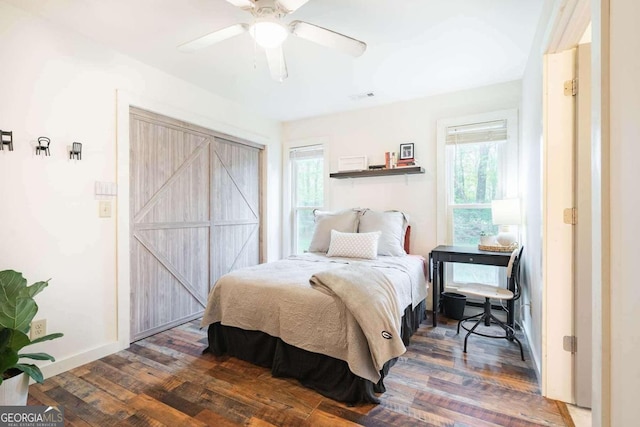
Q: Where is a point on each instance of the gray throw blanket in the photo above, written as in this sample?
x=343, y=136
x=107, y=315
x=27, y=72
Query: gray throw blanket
x=371, y=299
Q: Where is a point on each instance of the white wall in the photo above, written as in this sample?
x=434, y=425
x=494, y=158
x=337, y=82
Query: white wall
x=531, y=188
x=373, y=131
x=625, y=205
x=63, y=85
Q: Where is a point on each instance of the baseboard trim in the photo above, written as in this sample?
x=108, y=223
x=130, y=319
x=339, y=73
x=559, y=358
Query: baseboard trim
x=536, y=362
x=63, y=365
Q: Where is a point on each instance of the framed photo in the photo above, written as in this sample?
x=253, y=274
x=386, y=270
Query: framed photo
x=406, y=151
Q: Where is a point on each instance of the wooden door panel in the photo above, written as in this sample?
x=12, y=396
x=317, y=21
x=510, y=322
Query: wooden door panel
x=156, y=156
x=236, y=178
x=235, y=246
x=185, y=197
x=183, y=252
x=159, y=304
x=195, y=208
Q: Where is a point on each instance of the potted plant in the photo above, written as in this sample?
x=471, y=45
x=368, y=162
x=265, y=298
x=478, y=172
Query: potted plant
x=17, y=310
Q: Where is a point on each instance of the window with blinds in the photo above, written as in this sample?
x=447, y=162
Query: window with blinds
x=307, y=192
x=480, y=163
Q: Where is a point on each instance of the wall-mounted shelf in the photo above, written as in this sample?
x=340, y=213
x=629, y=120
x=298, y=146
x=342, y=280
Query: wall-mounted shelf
x=378, y=172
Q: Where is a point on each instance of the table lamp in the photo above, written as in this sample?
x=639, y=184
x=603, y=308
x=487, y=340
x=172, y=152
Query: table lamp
x=505, y=213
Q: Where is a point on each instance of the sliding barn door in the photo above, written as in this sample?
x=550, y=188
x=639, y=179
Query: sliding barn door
x=236, y=205
x=194, y=216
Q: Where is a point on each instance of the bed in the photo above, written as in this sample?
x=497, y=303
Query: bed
x=337, y=324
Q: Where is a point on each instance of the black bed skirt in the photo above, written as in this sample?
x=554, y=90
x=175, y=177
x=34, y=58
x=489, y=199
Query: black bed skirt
x=328, y=376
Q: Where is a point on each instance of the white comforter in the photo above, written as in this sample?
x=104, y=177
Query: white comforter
x=277, y=298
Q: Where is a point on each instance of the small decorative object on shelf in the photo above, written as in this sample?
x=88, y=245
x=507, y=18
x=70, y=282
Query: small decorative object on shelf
x=376, y=167
x=390, y=160
x=406, y=152
x=43, y=145
x=487, y=240
x=498, y=248
x=352, y=163
x=76, y=151
x=6, y=138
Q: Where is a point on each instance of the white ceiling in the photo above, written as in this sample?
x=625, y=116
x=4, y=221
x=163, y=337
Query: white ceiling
x=415, y=48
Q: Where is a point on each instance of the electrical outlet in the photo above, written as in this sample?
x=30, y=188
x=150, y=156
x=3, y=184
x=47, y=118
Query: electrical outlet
x=38, y=328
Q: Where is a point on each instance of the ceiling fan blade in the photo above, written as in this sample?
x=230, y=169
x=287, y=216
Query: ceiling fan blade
x=291, y=5
x=277, y=65
x=244, y=4
x=212, y=38
x=328, y=38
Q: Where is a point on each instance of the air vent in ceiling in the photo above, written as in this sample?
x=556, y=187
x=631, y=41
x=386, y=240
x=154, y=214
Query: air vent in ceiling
x=360, y=96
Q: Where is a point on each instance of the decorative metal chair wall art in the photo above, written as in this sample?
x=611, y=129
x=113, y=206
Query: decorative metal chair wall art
x=43, y=145
x=6, y=138
x=76, y=151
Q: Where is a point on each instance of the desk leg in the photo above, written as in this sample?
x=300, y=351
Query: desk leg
x=434, y=295
x=438, y=286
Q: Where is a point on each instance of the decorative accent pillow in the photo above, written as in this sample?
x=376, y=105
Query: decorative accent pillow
x=345, y=221
x=392, y=224
x=354, y=245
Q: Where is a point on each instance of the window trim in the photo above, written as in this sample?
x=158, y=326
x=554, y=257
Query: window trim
x=444, y=218
x=289, y=193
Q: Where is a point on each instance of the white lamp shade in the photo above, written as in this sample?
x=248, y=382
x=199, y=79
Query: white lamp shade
x=505, y=211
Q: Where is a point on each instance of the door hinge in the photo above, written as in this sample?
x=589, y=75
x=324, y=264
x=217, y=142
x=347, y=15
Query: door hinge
x=570, y=216
x=571, y=87
x=570, y=344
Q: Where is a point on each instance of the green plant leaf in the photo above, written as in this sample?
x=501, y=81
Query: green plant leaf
x=17, y=340
x=35, y=289
x=5, y=336
x=17, y=308
x=8, y=359
x=37, y=356
x=32, y=370
x=46, y=338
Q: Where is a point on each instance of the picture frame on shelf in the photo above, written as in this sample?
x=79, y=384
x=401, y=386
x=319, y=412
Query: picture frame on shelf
x=406, y=151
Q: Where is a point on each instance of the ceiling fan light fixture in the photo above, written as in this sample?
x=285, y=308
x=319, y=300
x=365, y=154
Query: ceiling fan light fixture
x=268, y=33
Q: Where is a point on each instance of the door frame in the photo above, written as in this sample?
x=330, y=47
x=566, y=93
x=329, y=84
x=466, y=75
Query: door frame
x=582, y=238
x=561, y=22
x=125, y=100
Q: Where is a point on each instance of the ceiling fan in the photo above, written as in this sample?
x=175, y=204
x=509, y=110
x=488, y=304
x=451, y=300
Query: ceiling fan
x=270, y=32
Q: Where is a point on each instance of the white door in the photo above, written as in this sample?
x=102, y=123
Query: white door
x=558, y=244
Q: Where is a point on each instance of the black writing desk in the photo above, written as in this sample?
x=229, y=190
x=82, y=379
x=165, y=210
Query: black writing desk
x=466, y=255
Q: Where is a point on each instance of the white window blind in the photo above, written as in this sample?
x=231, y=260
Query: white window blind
x=495, y=130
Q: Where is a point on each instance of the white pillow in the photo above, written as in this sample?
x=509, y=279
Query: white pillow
x=345, y=221
x=354, y=245
x=392, y=224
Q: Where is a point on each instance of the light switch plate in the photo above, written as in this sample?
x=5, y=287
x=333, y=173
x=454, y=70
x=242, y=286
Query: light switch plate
x=105, y=209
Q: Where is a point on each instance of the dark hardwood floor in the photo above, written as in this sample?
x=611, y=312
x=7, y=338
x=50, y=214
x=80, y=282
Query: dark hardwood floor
x=165, y=380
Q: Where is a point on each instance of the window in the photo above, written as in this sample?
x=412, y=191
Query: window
x=480, y=157
x=307, y=192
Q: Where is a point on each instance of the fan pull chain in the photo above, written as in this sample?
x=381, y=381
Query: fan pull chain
x=255, y=54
